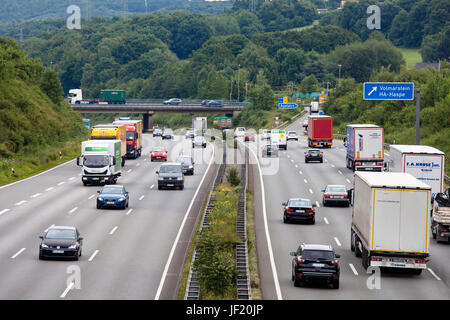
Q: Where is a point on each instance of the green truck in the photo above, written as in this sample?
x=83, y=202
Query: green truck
x=112, y=96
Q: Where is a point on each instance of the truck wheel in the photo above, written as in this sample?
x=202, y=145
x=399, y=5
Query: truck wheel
x=352, y=241
x=336, y=284
x=358, y=252
x=297, y=281
x=433, y=232
x=365, y=258
x=84, y=183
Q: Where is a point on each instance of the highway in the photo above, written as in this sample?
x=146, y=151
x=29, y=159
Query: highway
x=124, y=251
x=294, y=178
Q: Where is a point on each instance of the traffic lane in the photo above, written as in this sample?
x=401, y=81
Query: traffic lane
x=340, y=218
x=131, y=264
x=287, y=237
x=51, y=213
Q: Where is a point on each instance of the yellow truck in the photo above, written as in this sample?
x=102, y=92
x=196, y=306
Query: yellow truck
x=111, y=132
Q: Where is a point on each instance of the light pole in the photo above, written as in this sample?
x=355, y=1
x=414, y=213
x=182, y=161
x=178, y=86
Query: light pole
x=239, y=71
x=339, y=65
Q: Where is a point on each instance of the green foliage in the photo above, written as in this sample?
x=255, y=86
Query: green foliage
x=309, y=84
x=233, y=176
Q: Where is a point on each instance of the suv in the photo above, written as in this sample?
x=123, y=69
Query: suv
x=199, y=141
x=315, y=262
x=167, y=134
x=313, y=155
x=292, y=135
x=170, y=175
x=157, y=132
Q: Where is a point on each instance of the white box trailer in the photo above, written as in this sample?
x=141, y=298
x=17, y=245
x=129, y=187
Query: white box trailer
x=365, y=147
x=390, y=220
x=423, y=162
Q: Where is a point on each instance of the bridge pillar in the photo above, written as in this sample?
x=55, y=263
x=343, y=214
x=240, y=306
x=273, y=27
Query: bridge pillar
x=148, y=122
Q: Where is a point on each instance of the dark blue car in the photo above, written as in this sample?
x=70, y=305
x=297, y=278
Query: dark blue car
x=113, y=196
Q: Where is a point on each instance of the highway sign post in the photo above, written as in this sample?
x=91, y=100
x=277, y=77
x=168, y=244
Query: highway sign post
x=388, y=91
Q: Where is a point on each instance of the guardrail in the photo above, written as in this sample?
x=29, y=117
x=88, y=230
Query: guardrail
x=387, y=146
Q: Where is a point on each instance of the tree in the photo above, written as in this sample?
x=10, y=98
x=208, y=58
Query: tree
x=51, y=86
x=262, y=97
x=309, y=84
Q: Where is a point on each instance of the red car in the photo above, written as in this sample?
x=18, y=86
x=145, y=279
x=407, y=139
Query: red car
x=249, y=136
x=158, y=154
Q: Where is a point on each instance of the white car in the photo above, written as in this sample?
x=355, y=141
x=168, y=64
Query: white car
x=240, y=132
x=265, y=134
x=199, y=141
x=292, y=135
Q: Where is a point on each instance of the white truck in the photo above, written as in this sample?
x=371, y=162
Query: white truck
x=390, y=220
x=423, y=162
x=279, y=138
x=365, y=147
x=314, y=107
x=101, y=161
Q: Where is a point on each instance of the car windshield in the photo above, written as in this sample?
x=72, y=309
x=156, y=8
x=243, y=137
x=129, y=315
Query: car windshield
x=168, y=131
x=292, y=132
x=198, y=138
x=299, y=203
x=317, y=255
x=112, y=190
x=130, y=136
x=61, y=234
x=336, y=189
x=314, y=151
x=170, y=169
x=158, y=150
x=96, y=161
x=185, y=160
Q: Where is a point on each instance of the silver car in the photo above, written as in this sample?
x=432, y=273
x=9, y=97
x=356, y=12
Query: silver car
x=199, y=141
x=335, y=194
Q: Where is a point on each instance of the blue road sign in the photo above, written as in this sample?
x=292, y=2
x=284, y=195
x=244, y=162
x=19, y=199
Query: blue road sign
x=388, y=91
x=280, y=99
x=287, y=105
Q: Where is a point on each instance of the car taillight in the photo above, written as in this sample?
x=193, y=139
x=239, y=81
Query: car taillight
x=444, y=229
x=307, y=154
x=335, y=263
x=345, y=197
x=327, y=197
x=379, y=163
x=290, y=210
x=309, y=210
x=320, y=154
x=357, y=164
x=300, y=260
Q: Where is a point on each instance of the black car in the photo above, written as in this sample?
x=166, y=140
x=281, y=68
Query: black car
x=204, y=102
x=187, y=164
x=270, y=150
x=113, y=196
x=299, y=210
x=214, y=103
x=314, y=262
x=60, y=242
x=170, y=175
x=167, y=134
x=313, y=155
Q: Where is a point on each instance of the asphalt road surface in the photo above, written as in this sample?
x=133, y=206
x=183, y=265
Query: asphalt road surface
x=124, y=251
x=289, y=176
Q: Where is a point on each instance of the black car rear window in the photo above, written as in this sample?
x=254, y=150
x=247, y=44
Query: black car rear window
x=299, y=203
x=317, y=255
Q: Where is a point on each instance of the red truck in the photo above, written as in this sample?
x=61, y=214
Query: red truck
x=134, y=136
x=320, y=131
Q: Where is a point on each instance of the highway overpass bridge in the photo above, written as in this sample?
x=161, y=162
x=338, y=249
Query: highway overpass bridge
x=149, y=108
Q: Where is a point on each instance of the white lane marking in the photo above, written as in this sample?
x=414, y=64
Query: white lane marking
x=348, y=180
x=288, y=156
x=61, y=183
x=93, y=255
x=337, y=241
x=129, y=170
x=326, y=160
x=114, y=230
x=142, y=197
x=145, y=159
x=266, y=228
x=353, y=269
x=300, y=172
x=21, y=202
x=172, y=251
x=3, y=211
x=340, y=172
x=310, y=191
x=317, y=204
x=73, y=210
x=20, y=251
x=326, y=220
x=137, y=165
x=306, y=181
x=129, y=211
x=70, y=179
x=69, y=287
x=36, y=195
x=37, y=175
x=91, y=197
x=332, y=165
x=151, y=187
x=296, y=166
x=434, y=274
x=51, y=188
